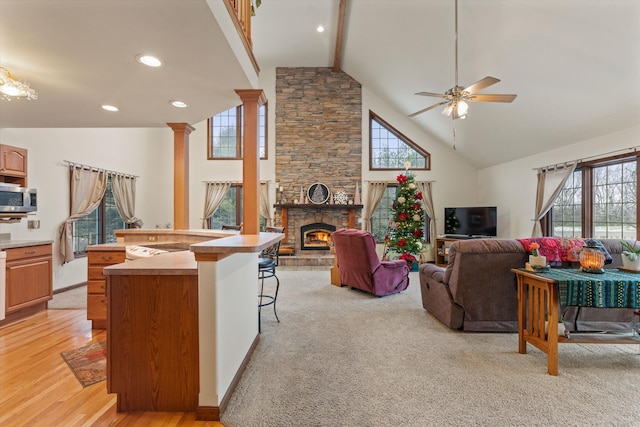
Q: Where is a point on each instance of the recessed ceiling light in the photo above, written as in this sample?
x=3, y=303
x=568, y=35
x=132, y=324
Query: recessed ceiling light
x=149, y=60
x=320, y=29
x=110, y=108
x=179, y=104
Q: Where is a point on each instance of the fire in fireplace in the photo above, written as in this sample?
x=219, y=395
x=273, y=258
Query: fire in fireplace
x=316, y=236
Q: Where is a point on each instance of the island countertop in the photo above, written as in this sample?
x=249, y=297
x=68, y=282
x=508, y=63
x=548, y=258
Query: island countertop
x=166, y=264
x=184, y=262
x=10, y=244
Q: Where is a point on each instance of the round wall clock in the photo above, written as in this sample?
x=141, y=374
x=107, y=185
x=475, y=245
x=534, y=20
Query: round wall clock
x=318, y=193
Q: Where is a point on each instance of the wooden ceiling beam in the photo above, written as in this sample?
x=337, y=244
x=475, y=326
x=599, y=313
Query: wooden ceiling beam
x=339, y=34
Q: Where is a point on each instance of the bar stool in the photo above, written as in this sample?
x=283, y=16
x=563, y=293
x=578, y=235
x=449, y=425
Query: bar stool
x=267, y=264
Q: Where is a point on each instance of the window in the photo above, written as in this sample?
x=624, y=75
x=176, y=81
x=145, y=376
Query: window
x=389, y=149
x=383, y=213
x=225, y=134
x=99, y=225
x=599, y=200
x=230, y=210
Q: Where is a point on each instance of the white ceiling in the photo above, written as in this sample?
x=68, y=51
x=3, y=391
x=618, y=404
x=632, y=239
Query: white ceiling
x=574, y=64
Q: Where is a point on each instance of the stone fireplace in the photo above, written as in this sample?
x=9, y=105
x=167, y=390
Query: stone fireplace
x=316, y=236
x=318, y=118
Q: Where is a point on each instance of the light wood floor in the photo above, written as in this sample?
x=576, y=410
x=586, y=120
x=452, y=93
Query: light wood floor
x=37, y=388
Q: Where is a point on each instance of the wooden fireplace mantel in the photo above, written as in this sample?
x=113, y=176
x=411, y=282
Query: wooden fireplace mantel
x=316, y=207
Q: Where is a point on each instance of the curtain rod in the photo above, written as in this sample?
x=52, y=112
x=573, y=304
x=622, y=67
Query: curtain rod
x=96, y=169
x=578, y=161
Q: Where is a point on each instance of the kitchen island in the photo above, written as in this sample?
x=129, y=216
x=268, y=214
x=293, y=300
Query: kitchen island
x=181, y=325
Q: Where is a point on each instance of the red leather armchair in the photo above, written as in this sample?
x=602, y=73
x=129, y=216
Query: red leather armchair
x=361, y=268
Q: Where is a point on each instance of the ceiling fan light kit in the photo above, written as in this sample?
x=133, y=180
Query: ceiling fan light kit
x=11, y=88
x=458, y=97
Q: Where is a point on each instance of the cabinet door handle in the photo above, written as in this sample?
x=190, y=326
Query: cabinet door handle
x=29, y=252
x=107, y=258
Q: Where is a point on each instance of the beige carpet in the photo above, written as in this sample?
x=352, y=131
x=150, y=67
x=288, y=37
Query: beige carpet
x=342, y=358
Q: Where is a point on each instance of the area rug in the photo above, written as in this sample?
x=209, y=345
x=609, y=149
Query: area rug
x=88, y=363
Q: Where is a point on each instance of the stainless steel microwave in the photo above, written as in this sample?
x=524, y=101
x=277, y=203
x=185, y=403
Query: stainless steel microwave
x=14, y=198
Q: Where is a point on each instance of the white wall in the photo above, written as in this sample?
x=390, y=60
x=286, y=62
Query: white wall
x=147, y=153
x=512, y=186
x=455, y=180
x=202, y=170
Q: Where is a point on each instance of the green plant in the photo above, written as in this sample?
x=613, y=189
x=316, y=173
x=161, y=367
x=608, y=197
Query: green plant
x=630, y=252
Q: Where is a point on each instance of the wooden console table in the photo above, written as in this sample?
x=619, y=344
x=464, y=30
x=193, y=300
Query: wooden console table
x=538, y=297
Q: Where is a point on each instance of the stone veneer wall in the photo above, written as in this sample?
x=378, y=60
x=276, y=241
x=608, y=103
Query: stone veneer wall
x=318, y=139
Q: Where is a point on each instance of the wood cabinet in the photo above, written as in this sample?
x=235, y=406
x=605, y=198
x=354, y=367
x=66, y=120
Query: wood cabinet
x=442, y=250
x=13, y=165
x=153, y=341
x=29, y=277
x=96, y=285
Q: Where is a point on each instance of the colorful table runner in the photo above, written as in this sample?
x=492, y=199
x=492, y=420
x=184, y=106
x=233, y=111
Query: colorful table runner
x=613, y=288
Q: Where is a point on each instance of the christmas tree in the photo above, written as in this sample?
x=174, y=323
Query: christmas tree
x=406, y=231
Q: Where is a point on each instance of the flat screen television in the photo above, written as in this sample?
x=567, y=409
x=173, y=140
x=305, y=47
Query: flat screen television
x=471, y=221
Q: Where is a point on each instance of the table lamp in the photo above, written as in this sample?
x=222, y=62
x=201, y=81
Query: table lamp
x=592, y=259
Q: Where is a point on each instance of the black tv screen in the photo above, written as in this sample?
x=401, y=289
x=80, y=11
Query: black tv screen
x=471, y=221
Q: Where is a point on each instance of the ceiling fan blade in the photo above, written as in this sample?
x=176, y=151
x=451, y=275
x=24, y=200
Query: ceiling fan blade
x=437, y=95
x=428, y=108
x=491, y=98
x=481, y=84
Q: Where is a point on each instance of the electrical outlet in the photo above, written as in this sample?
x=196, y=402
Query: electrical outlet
x=33, y=224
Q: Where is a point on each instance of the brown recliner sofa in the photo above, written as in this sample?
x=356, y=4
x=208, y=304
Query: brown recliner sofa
x=477, y=290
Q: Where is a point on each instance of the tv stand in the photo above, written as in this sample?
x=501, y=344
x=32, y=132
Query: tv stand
x=443, y=243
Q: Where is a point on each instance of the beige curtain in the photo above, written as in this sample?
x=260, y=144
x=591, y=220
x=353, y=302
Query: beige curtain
x=214, y=195
x=550, y=183
x=427, y=204
x=123, y=188
x=87, y=190
x=264, y=203
x=374, y=194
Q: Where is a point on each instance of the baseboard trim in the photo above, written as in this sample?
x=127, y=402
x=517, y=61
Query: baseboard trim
x=213, y=413
x=68, y=288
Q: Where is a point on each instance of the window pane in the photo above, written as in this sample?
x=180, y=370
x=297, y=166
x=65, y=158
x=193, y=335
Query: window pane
x=225, y=137
x=98, y=226
x=229, y=210
x=390, y=151
x=113, y=220
x=614, y=201
x=382, y=214
x=262, y=131
x=223, y=134
x=613, y=213
x=566, y=211
x=86, y=231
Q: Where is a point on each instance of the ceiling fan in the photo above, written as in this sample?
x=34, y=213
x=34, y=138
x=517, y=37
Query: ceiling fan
x=457, y=97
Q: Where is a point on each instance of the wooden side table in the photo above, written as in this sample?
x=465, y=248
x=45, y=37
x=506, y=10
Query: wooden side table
x=335, y=271
x=537, y=297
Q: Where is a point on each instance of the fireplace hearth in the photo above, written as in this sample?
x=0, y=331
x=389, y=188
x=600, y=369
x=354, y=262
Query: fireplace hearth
x=316, y=236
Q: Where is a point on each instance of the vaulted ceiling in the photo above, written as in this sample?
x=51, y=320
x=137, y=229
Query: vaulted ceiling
x=574, y=64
